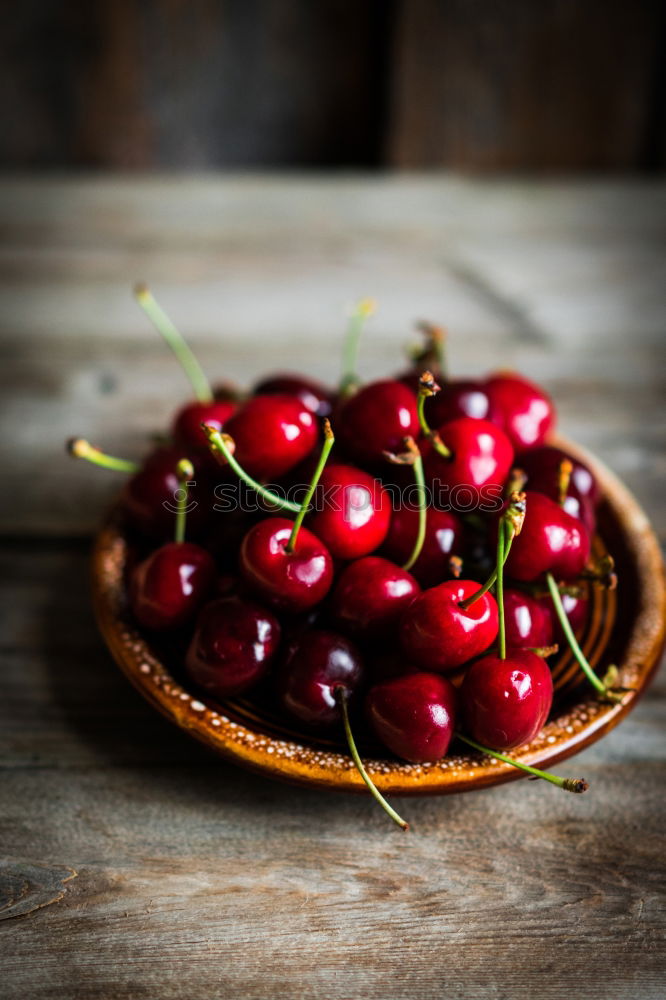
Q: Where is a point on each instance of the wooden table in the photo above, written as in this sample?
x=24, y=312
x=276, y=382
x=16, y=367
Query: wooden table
x=138, y=865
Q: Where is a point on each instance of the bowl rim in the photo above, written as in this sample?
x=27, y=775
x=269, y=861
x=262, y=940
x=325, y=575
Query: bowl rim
x=297, y=762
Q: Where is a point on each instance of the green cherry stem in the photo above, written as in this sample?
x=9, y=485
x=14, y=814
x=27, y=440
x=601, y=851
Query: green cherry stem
x=185, y=474
x=423, y=508
x=490, y=582
x=80, y=448
x=219, y=445
x=363, y=310
x=428, y=387
x=341, y=698
x=176, y=342
x=578, y=653
x=568, y=784
x=329, y=441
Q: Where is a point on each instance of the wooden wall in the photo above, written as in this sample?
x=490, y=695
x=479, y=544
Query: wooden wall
x=472, y=84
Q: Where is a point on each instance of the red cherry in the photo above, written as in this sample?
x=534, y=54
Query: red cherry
x=414, y=715
x=155, y=484
x=233, y=646
x=440, y=635
x=505, y=703
x=352, y=512
x=528, y=620
x=524, y=411
x=186, y=427
x=376, y=419
x=481, y=457
x=575, y=608
x=457, y=398
x=443, y=538
x=551, y=541
x=168, y=588
x=314, y=396
x=542, y=466
x=292, y=581
x=369, y=596
x=272, y=434
x=317, y=664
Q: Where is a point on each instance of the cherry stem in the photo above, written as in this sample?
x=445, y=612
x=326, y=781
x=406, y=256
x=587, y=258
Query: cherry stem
x=329, y=441
x=469, y=601
x=185, y=474
x=563, y=480
x=219, y=447
x=80, y=448
x=423, y=510
x=428, y=387
x=363, y=310
x=568, y=784
x=176, y=342
x=432, y=354
x=571, y=638
x=501, y=546
x=341, y=698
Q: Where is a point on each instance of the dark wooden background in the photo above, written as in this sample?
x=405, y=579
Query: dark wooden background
x=472, y=84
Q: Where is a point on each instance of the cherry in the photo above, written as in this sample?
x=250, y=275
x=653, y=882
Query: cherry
x=576, y=607
x=369, y=596
x=413, y=715
x=543, y=465
x=376, y=419
x=313, y=395
x=186, y=428
x=233, y=646
x=272, y=434
x=170, y=585
x=550, y=541
x=289, y=580
x=524, y=411
x=316, y=664
x=505, y=702
x=153, y=486
x=529, y=620
x=440, y=635
x=443, y=537
x=353, y=512
x=477, y=460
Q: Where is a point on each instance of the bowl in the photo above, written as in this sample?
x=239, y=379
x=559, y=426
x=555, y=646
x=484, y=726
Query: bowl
x=625, y=627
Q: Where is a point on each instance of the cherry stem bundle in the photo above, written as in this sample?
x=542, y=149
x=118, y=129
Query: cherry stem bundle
x=80, y=448
x=329, y=440
x=341, y=698
x=185, y=473
x=176, y=342
x=363, y=310
x=568, y=784
x=219, y=446
x=428, y=387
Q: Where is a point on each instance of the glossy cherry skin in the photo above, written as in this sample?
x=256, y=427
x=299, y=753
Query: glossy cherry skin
x=291, y=581
x=352, y=512
x=457, y=398
x=576, y=609
x=528, y=620
x=376, y=419
x=272, y=434
x=551, y=541
x=233, y=646
x=315, y=396
x=505, y=703
x=316, y=665
x=523, y=410
x=443, y=538
x=186, y=427
x=438, y=634
x=414, y=715
x=481, y=459
x=170, y=585
x=542, y=466
x=370, y=595
x=155, y=484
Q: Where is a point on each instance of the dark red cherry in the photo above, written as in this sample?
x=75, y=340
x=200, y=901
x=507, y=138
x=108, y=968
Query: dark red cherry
x=169, y=587
x=376, y=419
x=233, y=646
x=440, y=635
x=314, y=396
x=316, y=665
x=551, y=541
x=457, y=398
x=443, y=538
x=272, y=434
x=542, y=466
x=352, y=512
x=414, y=716
x=576, y=609
x=473, y=477
x=370, y=595
x=523, y=410
x=528, y=620
x=155, y=484
x=505, y=703
x=186, y=427
x=292, y=581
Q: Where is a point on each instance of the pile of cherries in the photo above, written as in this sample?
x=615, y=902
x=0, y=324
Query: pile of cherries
x=403, y=555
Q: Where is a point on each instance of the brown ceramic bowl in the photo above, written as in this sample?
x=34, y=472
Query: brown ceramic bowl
x=624, y=627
